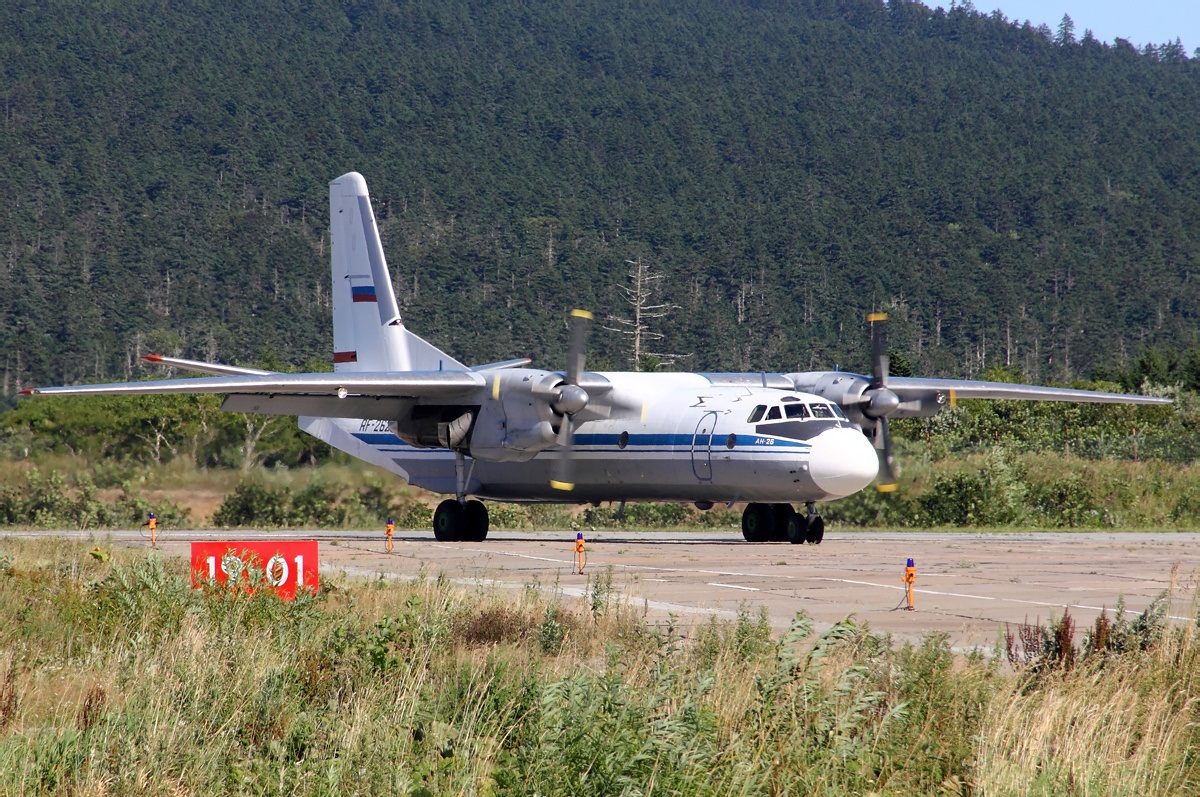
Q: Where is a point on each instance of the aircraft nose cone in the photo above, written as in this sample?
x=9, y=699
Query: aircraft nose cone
x=842, y=462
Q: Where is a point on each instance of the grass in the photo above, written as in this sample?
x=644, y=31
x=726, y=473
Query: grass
x=117, y=678
x=994, y=489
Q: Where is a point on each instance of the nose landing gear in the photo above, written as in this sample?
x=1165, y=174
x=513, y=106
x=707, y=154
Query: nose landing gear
x=781, y=523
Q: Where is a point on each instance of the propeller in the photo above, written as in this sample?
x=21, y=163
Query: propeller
x=880, y=402
x=568, y=399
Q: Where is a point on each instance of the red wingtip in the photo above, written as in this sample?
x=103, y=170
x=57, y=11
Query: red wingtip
x=152, y=358
x=26, y=392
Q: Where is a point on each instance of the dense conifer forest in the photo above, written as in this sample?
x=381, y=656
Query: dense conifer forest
x=1012, y=196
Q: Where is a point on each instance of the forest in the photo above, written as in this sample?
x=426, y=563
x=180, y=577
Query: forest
x=1012, y=196
x=1019, y=200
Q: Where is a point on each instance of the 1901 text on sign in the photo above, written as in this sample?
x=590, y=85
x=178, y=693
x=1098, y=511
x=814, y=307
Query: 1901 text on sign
x=286, y=566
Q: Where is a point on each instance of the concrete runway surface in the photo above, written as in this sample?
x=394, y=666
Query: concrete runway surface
x=968, y=584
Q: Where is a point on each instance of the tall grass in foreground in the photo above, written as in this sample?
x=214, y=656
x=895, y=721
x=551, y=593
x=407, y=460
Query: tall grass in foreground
x=1111, y=725
x=117, y=678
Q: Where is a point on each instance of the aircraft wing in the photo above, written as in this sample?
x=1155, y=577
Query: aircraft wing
x=919, y=397
x=908, y=388
x=407, y=384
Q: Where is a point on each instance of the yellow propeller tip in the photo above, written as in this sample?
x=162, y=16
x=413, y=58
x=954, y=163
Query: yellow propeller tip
x=886, y=488
x=873, y=317
x=577, y=313
x=562, y=485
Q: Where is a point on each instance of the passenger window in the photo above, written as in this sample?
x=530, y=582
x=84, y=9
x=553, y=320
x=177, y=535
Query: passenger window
x=756, y=414
x=796, y=411
x=773, y=414
x=821, y=411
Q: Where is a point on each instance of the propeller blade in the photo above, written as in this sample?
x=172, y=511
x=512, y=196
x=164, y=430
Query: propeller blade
x=570, y=399
x=883, y=445
x=878, y=401
x=879, y=355
x=577, y=354
x=563, y=471
x=566, y=432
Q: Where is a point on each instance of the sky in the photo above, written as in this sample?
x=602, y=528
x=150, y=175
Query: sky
x=1140, y=21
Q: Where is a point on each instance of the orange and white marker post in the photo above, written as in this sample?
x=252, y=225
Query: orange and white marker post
x=153, y=524
x=910, y=578
x=391, y=528
x=580, y=558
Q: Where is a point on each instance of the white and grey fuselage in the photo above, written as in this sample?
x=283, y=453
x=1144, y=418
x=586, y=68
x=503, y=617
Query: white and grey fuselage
x=697, y=440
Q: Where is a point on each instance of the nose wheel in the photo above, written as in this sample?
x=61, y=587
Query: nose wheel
x=781, y=523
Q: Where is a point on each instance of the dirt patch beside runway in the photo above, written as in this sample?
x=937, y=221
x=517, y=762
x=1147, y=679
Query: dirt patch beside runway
x=968, y=584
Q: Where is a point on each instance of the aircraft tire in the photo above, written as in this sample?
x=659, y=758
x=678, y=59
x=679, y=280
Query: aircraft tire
x=816, y=530
x=797, y=529
x=783, y=514
x=475, y=521
x=758, y=522
x=448, y=521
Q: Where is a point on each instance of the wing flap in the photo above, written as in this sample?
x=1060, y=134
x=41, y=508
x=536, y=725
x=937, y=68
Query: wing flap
x=359, y=407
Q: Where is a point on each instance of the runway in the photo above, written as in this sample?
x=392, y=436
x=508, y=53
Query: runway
x=968, y=584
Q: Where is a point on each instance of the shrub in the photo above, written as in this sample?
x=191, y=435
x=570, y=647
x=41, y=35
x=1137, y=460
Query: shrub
x=956, y=500
x=254, y=504
x=995, y=496
x=415, y=515
x=873, y=508
x=493, y=625
x=315, y=505
x=1187, y=507
x=49, y=500
x=656, y=515
x=1067, y=501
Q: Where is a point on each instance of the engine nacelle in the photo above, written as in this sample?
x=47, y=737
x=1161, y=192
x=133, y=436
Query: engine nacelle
x=436, y=427
x=847, y=390
x=843, y=388
x=516, y=420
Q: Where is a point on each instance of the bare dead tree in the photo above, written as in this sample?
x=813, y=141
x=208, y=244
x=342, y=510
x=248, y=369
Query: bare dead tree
x=639, y=295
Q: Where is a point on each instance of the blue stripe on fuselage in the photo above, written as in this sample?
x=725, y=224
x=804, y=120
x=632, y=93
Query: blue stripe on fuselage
x=686, y=440
x=641, y=443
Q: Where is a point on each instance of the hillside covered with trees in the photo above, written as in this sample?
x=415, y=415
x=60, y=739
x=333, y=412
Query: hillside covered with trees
x=1011, y=196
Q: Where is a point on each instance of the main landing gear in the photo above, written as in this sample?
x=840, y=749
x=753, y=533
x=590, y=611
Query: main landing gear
x=465, y=522
x=457, y=519
x=782, y=523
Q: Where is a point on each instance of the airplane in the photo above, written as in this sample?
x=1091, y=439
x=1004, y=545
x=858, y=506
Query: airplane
x=506, y=431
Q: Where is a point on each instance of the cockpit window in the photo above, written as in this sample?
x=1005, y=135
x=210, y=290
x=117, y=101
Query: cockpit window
x=838, y=411
x=774, y=414
x=757, y=413
x=822, y=411
x=796, y=411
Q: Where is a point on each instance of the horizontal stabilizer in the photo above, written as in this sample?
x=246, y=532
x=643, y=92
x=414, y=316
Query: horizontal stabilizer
x=517, y=363
x=199, y=366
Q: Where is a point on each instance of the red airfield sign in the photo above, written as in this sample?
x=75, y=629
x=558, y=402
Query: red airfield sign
x=287, y=566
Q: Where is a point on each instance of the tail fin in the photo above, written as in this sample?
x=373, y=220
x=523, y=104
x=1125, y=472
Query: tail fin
x=368, y=334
